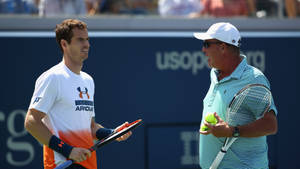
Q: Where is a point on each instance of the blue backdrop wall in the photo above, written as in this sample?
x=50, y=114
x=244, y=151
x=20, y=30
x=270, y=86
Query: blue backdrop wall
x=159, y=79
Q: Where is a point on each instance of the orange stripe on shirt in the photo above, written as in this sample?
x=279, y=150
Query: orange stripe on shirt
x=48, y=155
x=82, y=139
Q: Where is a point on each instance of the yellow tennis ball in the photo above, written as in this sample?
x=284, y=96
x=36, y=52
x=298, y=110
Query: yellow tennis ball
x=211, y=119
x=204, y=128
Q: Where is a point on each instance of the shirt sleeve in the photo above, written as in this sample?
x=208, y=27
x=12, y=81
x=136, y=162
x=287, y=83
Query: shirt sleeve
x=264, y=81
x=45, y=93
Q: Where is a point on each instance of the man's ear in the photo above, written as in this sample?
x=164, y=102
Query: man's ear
x=63, y=43
x=223, y=46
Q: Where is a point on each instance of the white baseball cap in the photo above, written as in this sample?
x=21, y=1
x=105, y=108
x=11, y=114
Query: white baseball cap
x=223, y=31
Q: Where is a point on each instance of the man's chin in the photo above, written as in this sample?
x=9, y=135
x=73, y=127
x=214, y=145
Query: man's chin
x=84, y=57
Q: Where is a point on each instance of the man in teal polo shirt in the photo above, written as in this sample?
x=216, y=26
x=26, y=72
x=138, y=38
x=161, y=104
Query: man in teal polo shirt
x=230, y=73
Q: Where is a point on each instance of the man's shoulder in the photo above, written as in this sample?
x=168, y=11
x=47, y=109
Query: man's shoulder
x=255, y=75
x=51, y=73
x=86, y=75
x=253, y=71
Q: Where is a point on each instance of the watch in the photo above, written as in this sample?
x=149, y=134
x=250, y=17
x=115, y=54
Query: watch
x=236, y=132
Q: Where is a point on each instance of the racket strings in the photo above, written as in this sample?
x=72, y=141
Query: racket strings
x=253, y=99
x=259, y=98
x=235, y=106
x=259, y=93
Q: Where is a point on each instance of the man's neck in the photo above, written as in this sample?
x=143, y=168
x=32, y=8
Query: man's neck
x=229, y=68
x=75, y=68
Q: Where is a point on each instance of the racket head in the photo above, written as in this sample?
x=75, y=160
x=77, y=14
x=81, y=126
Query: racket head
x=255, y=98
x=118, y=133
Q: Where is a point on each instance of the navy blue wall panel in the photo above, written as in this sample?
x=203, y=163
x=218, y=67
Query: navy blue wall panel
x=161, y=80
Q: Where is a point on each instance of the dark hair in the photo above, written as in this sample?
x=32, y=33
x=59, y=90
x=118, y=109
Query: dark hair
x=64, y=30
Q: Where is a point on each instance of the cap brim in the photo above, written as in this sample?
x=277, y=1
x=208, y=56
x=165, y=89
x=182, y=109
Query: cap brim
x=202, y=36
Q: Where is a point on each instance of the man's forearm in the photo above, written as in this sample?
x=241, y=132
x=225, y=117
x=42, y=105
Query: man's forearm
x=35, y=126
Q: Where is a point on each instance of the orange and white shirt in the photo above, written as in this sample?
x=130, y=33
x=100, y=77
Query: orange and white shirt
x=68, y=101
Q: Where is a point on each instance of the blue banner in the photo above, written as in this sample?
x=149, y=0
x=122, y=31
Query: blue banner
x=159, y=79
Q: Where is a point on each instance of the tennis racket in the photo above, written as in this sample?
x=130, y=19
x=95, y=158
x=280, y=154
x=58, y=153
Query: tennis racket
x=253, y=97
x=116, y=134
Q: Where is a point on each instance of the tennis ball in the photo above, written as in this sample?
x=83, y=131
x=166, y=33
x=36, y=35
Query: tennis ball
x=210, y=118
x=204, y=128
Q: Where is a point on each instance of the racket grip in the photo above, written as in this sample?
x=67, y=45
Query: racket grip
x=65, y=164
x=217, y=160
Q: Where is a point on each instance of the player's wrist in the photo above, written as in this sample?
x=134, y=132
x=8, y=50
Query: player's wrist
x=231, y=131
x=235, y=131
x=59, y=146
x=103, y=132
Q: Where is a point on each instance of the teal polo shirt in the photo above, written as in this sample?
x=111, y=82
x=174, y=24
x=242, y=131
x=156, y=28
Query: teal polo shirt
x=245, y=153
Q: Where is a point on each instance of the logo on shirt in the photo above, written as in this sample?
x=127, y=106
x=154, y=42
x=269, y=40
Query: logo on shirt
x=84, y=105
x=81, y=92
x=37, y=99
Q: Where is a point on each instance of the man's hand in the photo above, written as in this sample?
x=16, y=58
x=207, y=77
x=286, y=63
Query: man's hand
x=80, y=154
x=221, y=129
x=125, y=136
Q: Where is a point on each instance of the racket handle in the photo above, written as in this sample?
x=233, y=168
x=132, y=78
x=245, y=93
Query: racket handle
x=65, y=164
x=217, y=160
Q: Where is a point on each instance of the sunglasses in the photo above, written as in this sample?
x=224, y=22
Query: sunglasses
x=206, y=44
